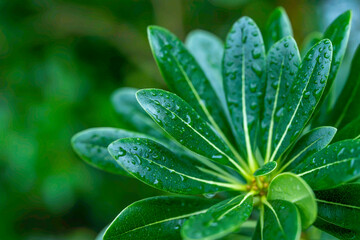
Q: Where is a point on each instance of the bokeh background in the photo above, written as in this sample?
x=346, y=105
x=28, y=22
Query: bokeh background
x=60, y=60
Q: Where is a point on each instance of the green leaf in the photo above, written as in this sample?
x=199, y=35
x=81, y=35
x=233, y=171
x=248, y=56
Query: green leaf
x=265, y=169
x=310, y=40
x=334, y=165
x=340, y=206
x=278, y=27
x=185, y=77
x=208, y=51
x=181, y=122
x=155, y=165
x=280, y=220
x=157, y=216
x=347, y=108
x=91, y=145
x=289, y=187
x=243, y=67
x=350, y=131
x=282, y=63
x=341, y=233
x=220, y=220
x=310, y=143
x=338, y=33
x=131, y=113
x=303, y=97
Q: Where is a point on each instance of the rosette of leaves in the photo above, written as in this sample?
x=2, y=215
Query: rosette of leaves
x=236, y=131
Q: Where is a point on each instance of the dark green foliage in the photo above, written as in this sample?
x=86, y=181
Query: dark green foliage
x=240, y=129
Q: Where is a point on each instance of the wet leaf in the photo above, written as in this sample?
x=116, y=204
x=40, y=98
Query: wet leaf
x=155, y=165
x=289, y=187
x=310, y=143
x=208, y=51
x=185, y=77
x=219, y=220
x=157, y=216
x=280, y=220
x=181, y=122
x=265, y=169
x=282, y=63
x=340, y=206
x=347, y=108
x=336, y=164
x=91, y=145
x=303, y=97
x=338, y=33
x=243, y=68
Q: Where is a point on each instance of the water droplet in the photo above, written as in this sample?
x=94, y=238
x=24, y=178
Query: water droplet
x=253, y=87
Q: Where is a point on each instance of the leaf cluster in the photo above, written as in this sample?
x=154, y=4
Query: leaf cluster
x=244, y=126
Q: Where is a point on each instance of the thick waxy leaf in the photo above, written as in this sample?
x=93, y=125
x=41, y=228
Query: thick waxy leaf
x=341, y=233
x=280, y=220
x=243, y=67
x=347, y=107
x=220, y=220
x=91, y=145
x=340, y=206
x=282, y=63
x=265, y=169
x=303, y=97
x=312, y=39
x=336, y=164
x=158, y=216
x=185, y=77
x=157, y=166
x=290, y=187
x=208, y=51
x=278, y=27
x=131, y=113
x=338, y=33
x=350, y=131
x=310, y=143
x=179, y=120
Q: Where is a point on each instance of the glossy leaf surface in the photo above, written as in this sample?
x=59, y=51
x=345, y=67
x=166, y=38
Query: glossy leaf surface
x=338, y=32
x=303, y=97
x=278, y=27
x=310, y=143
x=336, y=164
x=282, y=63
x=158, y=167
x=158, y=216
x=181, y=121
x=289, y=187
x=243, y=67
x=347, y=107
x=91, y=145
x=208, y=51
x=280, y=221
x=220, y=220
x=340, y=206
x=131, y=113
x=265, y=169
x=185, y=77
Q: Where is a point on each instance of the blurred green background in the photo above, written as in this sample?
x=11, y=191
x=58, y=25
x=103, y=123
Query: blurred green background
x=59, y=62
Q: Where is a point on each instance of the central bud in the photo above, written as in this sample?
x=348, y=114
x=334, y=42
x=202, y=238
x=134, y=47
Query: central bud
x=259, y=185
